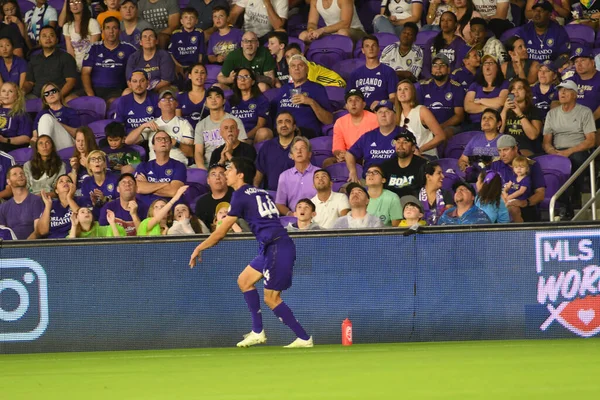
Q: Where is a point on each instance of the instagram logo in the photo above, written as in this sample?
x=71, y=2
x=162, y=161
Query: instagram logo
x=23, y=300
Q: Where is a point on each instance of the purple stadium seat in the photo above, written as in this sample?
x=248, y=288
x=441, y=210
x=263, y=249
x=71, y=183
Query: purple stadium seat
x=456, y=145
x=22, y=155
x=141, y=150
x=197, y=175
x=66, y=154
x=89, y=108
x=196, y=180
x=25, y=6
x=336, y=97
x=385, y=39
x=327, y=130
x=451, y=171
x=508, y=34
x=581, y=32
x=321, y=149
x=299, y=42
x=98, y=127
x=423, y=37
x=112, y=110
x=557, y=170
x=346, y=67
x=339, y=114
x=296, y=24
x=367, y=11
x=287, y=220
x=329, y=50
x=339, y=174
x=212, y=70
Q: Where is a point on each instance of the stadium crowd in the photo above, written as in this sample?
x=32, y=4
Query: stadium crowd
x=119, y=118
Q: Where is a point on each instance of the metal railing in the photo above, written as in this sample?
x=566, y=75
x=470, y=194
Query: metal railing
x=592, y=201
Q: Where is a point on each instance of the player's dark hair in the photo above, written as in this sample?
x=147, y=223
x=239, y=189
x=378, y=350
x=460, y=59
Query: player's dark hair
x=114, y=130
x=190, y=10
x=246, y=167
x=509, y=44
x=108, y=20
x=309, y=202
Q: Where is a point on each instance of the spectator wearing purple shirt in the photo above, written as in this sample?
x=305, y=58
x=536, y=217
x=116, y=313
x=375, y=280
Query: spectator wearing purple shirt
x=15, y=129
x=446, y=42
x=187, y=44
x=482, y=147
x=276, y=249
x=465, y=75
x=489, y=90
x=12, y=68
x=224, y=39
x=191, y=104
x=297, y=182
x=55, y=221
x=443, y=96
x=508, y=151
x=544, y=91
x=375, y=80
x=103, y=72
x=131, y=24
x=140, y=106
x=544, y=38
x=250, y=106
x=275, y=156
x=162, y=176
x=129, y=210
x=305, y=100
x=55, y=119
x=22, y=212
x=376, y=146
x=156, y=62
x=587, y=79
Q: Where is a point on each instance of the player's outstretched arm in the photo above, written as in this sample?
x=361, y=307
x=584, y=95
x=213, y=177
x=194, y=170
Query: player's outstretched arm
x=213, y=239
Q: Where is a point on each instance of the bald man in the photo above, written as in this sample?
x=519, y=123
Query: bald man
x=232, y=147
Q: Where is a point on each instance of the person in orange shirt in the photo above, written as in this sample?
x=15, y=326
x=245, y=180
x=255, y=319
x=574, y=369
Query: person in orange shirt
x=351, y=126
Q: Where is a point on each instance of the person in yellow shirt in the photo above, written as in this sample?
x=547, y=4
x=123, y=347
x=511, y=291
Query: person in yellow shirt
x=316, y=73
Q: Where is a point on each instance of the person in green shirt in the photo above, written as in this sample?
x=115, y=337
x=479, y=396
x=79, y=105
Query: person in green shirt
x=252, y=56
x=84, y=226
x=159, y=216
x=384, y=203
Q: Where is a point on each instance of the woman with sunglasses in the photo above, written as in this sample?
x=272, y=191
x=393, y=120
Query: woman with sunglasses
x=44, y=168
x=80, y=30
x=56, y=119
x=250, y=105
x=85, y=143
x=418, y=119
x=100, y=186
x=55, y=221
x=15, y=131
x=12, y=68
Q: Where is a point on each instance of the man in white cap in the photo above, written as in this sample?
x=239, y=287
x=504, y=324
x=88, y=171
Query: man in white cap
x=569, y=131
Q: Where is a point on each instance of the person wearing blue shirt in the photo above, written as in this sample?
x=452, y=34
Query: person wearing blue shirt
x=465, y=212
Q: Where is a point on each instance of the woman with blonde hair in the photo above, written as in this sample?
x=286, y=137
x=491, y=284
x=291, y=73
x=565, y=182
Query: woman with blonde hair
x=100, y=186
x=418, y=119
x=85, y=142
x=44, y=168
x=15, y=124
x=55, y=119
x=160, y=217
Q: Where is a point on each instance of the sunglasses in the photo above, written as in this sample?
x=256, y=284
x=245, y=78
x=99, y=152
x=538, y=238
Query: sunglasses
x=50, y=92
x=406, y=122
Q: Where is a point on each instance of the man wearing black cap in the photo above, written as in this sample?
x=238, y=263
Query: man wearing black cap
x=358, y=217
x=544, y=38
x=349, y=128
x=403, y=172
x=465, y=212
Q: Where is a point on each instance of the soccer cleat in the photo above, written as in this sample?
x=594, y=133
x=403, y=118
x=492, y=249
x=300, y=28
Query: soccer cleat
x=300, y=343
x=252, y=339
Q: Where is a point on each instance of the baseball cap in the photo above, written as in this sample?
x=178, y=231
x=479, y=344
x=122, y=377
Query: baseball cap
x=568, y=85
x=215, y=89
x=486, y=56
x=387, y=104
x=582, y=51
x=406, y=135
x=442, y=57
x=166, y=92
x=354, y=185
x=406, y=200
x=544, y=4
x=134, y=2
x=505, y=141
x=141, y=71
x=125, y=175
x=551, y=65
x=354, y=92
x=464, y=183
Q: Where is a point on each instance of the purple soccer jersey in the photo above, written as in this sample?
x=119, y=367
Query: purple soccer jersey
x=16, y=125
x=547, y=46
x=374, y=148
x=441, y=100
x=108, y=66
x=223, y=45
x=542, y=101
x=455, y=52
x=18, y=67
x=508, y=175
x=65, y=115
x=173, y=170
x=186, y=46
x=588, y=94
x=463, y=76
x=480, y=146
x=159, y=68
x=133, y=114
x=249, y=110
x=303, y=114
x=108, y=188
x=60, y=220
x=122, y=216
x=481, y=94
x=526, y=182
x=376, y=84
x=272, y=160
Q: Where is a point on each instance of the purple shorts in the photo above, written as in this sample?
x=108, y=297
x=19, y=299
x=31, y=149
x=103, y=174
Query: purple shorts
x=276, y=262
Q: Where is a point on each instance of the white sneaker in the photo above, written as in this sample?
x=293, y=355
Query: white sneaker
x=253, y=338
x=300, y=343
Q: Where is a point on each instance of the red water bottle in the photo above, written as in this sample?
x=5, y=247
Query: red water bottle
x=347, y=332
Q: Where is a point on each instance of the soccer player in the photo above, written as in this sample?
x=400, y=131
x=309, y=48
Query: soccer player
x=275, y=261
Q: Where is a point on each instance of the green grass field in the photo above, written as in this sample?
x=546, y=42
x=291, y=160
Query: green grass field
x=550, y=369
